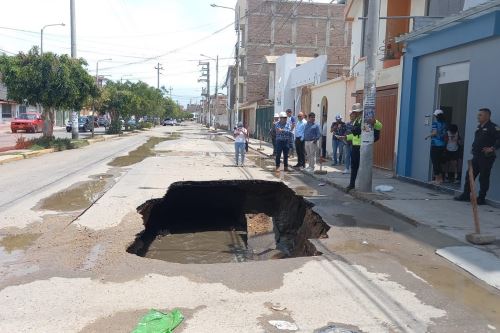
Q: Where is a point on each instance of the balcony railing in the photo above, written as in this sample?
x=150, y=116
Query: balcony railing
x=397, y=26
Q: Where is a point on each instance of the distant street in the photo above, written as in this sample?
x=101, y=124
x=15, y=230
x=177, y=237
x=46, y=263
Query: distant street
x=68, y=221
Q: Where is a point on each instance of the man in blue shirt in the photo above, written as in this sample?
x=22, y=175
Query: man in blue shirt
x=299, y=141
x=283, y=134
x=312, y=134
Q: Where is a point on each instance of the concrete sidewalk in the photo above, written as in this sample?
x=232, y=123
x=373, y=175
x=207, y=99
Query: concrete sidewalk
x=420, y=205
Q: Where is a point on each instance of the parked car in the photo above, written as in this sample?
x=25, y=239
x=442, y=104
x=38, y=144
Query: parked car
x=29, y=122
x=169, y=122
x=83, y=125
x=103, y=121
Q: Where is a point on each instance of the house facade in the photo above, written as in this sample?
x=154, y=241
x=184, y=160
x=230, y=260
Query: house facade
x=452, y=65
x=397, y=17
x=10, y=109
x=271, y=28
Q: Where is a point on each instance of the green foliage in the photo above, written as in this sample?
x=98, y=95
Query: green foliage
x=145, y=125
x=49, y=142
x=53, y=81
x=115, y=127
x=136, y=100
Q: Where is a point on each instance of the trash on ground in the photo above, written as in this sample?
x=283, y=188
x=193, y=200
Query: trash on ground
x=384, y=188
x=283, y=325
x=278, y=307
x=364, y=242
x=158, y=322
x=322, y=184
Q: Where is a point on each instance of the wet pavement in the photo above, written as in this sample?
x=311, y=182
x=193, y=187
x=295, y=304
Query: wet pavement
x=377, y=273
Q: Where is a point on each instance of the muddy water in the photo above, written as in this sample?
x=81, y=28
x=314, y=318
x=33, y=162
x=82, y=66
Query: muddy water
x=206, y=247
x=459, y=287
x=142, y=152
x=77, y=197
x=18, y=242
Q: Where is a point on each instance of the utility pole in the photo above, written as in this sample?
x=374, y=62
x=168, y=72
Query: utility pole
x=75, y=114
x=237, y=55
x=216, y=87
x=205, y=77
x=158, y=68
x=237, y=61
x=170, y=91
x=369, y=97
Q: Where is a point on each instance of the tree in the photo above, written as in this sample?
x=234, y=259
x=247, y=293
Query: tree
x=127, y=100
x=52, y=81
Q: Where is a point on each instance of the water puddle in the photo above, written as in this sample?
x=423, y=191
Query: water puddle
x=22, y=242
x=173, y=136
x=206, y=247
x=101, y=176
x=233, y=221
x=77, y=197
x=142, y=152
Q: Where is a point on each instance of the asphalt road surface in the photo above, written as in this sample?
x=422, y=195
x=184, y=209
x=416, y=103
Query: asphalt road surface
x=67, y=219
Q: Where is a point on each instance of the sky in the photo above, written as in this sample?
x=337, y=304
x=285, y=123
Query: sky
x=135, y=34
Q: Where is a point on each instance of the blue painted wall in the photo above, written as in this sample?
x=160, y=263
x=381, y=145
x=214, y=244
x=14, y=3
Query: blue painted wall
x=476, y=41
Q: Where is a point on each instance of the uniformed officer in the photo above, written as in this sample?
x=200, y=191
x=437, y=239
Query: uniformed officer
x=355, y=138
x=486, y=141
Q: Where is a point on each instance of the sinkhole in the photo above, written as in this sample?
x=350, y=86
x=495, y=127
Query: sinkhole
x=228, y=221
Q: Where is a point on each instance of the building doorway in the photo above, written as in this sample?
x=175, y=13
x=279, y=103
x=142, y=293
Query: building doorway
x=452, y=93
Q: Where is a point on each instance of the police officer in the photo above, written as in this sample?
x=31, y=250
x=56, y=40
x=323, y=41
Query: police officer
x=355, y=138
x=486, y=141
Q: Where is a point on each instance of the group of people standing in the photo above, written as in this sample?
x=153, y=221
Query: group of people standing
x=288, y=132
x=303, y=134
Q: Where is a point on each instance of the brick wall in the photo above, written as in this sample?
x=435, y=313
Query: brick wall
x=304, y=28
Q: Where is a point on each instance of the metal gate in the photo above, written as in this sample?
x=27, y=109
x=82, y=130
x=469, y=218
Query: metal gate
x=386, y=112
x=263, y=122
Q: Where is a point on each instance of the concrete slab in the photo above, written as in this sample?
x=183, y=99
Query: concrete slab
x=450, y=217
x=485, y=266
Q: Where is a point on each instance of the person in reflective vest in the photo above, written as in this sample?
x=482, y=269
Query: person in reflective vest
x=355, y=139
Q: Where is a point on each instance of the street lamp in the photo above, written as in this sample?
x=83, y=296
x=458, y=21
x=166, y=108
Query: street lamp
x=237, y=62
x=97, y=84
x=41, y=34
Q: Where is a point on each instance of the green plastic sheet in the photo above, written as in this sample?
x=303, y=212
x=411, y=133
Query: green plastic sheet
x=158, y=322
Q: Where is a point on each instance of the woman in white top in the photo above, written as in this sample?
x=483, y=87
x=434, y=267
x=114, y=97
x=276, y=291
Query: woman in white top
x=240, y=138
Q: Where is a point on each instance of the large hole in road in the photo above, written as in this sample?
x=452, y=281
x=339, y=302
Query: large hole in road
x=228, y=221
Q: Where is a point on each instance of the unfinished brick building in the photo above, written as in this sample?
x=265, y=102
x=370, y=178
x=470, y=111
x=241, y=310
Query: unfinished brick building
x=271, y=28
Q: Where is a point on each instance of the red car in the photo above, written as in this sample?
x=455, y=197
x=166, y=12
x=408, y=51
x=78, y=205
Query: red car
x=29, y=122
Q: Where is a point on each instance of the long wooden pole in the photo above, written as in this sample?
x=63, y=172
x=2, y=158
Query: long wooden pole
x=473, y=197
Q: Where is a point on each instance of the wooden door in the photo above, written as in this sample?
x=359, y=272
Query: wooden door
x=386, y=112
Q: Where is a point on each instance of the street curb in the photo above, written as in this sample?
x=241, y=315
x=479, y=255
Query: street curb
x=11, y=158
x=36, y=153
x=95, y=140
